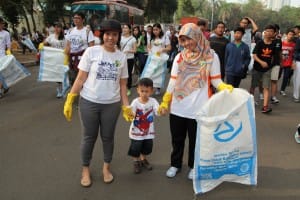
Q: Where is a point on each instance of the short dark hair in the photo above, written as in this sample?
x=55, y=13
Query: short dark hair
x=277, y=27
x=147, y=82
x=297, y=26
x=290, y=30
x=239, y=29
x=202, y=22
x=220, y=22
x=1, y=20
x=79, y=14
x=270, y=26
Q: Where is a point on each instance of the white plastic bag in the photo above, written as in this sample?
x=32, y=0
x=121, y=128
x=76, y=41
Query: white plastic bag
x=226, y=141
x=52, y=67
x=11, y=71
x=155, y=69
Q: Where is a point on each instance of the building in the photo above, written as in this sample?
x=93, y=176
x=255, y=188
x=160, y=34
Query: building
x=276, y=4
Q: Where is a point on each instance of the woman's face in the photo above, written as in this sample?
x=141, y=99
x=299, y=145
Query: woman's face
x=156, y=31
x=57, y=29
x=188, y=43
x=110, y=39
x=135, y=31
x=125, y=29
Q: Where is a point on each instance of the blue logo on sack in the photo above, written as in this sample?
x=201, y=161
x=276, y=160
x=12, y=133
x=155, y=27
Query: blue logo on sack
x=227, y=133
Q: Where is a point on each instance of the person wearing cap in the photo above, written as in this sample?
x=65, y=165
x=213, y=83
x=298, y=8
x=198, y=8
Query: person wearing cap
x=78, y=39
x=193, y=70
x=4, y=50
x=101, y=84
x=57, y=40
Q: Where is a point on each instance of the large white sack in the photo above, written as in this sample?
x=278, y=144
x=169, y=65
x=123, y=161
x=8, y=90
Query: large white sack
x=52, y=67
x=226, y=147
x=155, y=69
x=11, y=71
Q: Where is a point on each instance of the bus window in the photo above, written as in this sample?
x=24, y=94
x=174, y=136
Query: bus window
x=121, y=14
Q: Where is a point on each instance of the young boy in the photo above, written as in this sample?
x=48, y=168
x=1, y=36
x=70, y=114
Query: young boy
x=263, y=55
x=141, y=131
x=288, y=48
x=237, y=59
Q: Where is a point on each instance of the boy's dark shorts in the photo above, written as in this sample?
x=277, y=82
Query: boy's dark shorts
x=138, y=147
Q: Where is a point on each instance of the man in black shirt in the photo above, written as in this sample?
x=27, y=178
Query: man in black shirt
x=263, y=55
x=218, y=43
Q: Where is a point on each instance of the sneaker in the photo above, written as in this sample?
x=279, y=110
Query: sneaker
x=172, y=171
x=274, y=100
x=266, y=109
x=128, y=92
x=146, y=164
x=191, y=174
x=297, y=135
x=261, y=96
x=296, y=100
x=5, y=90
x=59, y=93
x=282, y=93
x=137, y=167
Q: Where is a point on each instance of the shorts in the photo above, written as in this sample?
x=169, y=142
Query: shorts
x=275, y=73
x=138, y=147
x=261, y=77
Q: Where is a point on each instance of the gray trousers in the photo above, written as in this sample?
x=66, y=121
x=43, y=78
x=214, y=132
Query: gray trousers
x=95, y=117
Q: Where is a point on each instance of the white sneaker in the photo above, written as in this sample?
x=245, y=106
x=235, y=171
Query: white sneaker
x=172, y=171
x=282, y=93
x=191, y=174
x=274, y=100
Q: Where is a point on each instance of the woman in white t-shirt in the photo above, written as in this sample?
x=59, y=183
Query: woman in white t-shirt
x=57, y=40
x=193, y=70
x=159, y=44
x=101, y=82
x=128, y=46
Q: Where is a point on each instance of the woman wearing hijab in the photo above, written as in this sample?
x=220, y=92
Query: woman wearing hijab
x=193, y=71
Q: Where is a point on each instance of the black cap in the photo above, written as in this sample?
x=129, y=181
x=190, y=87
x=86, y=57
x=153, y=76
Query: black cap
x=110, y=25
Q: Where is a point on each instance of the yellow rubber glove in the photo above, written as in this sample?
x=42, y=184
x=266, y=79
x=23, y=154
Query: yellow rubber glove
x=68, y=107
x=166, y=100
x=41, y=46
x=224, y=86
x=127, y=113
x=66, y=58
x=8, y=52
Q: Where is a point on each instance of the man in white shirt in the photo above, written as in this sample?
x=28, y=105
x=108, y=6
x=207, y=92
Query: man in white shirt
x=78, y=39
x=4, y=50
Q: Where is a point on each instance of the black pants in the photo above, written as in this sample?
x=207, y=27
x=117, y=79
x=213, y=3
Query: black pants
x=130, y=63
x=180, y=128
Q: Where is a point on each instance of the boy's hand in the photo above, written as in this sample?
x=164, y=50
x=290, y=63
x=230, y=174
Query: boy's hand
x=127, y=113
x=264, y=64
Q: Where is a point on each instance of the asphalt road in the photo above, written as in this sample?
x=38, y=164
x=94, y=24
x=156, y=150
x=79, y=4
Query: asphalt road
x=40, y=157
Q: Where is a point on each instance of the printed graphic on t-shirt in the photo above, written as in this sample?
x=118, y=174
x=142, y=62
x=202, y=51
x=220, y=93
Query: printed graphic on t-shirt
x=76, y=42
x=266, y=52
x=107, y=70
x=142, y=121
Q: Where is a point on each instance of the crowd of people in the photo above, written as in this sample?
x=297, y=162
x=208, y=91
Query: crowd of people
x=201, y=62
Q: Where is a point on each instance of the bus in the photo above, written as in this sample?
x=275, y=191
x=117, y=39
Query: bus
x=97, y=11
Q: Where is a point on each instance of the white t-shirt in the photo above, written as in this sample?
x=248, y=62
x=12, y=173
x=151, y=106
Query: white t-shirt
x=53, y=42
x=105, y=71
x=159, y=43
x=189, y=106
x=127, y=44
x=142, y=127
x=4, y=42
x=79, y=39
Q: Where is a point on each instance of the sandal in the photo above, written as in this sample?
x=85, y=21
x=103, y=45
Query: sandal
x=108, y=178
x=86, y=181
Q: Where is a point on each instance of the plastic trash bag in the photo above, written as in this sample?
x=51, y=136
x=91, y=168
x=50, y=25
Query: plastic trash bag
x=226, y=147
